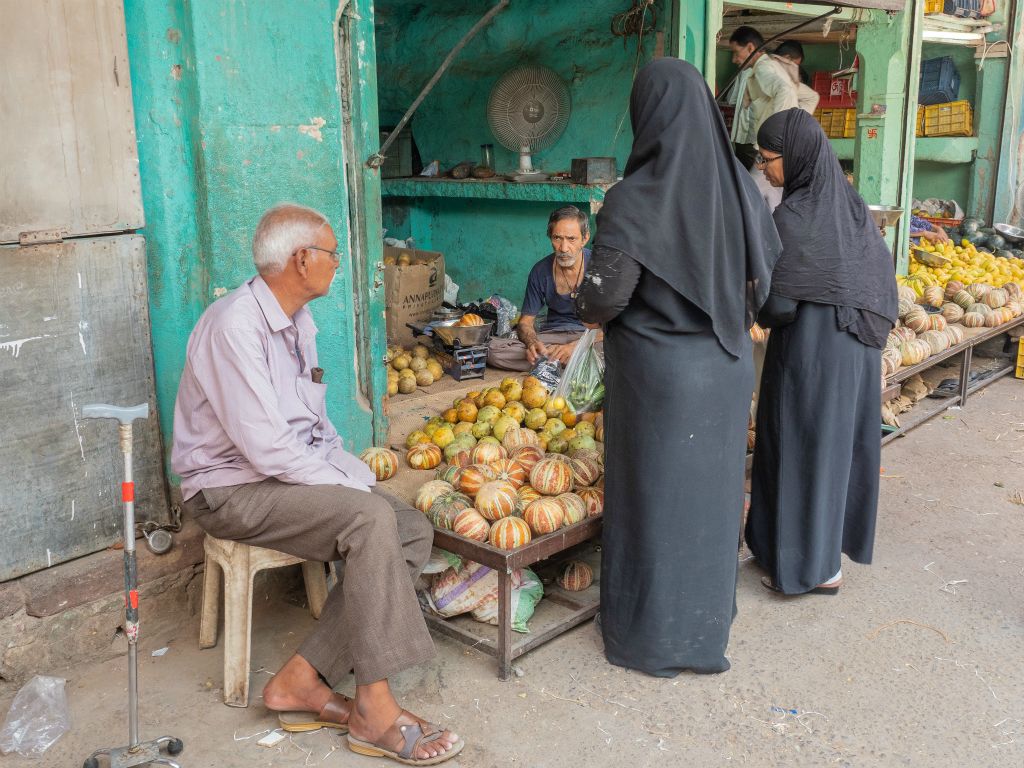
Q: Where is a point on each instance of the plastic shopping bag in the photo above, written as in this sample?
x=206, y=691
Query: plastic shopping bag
x=38, y=716
x=582, y=383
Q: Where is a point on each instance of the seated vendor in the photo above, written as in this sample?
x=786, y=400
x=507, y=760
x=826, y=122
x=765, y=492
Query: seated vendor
x=552, y=284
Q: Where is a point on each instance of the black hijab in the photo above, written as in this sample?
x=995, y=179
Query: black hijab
x=833, y=252
x=686, y=209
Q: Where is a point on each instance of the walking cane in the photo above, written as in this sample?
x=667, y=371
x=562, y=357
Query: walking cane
x=136, y=753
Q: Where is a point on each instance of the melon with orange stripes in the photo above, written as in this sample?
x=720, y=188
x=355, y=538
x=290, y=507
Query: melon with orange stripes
x=448, y=474
x=383, y=462
x=573, y=506
x=509, y=533
x=511, y=471
x=594, y=499
x=551, y=476
x=471, y=524
x=429, y=492
x=472, y=478
x=545, y=515
x=486, y=452
x=576, y=576
x=424, y=456
x=528, y=456
x=585, y=471
x=497, y=499
x=527, y=494
x=517, y=437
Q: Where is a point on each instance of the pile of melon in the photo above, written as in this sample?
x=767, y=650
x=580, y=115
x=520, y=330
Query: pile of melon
x=919, y=334
x=408, y=370
x=512, y=464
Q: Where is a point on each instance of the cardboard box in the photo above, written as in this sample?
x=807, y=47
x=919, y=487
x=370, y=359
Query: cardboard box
x=411, y=293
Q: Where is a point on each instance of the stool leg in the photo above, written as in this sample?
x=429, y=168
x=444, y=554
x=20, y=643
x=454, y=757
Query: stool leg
x=237, y=634
x=210, y=614
x=316, y=586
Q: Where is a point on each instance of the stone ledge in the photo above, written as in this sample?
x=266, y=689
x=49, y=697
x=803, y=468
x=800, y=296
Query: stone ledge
x=81, y=581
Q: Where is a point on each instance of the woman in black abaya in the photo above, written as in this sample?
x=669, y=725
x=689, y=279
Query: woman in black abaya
x=814, y=490
x=681, y=262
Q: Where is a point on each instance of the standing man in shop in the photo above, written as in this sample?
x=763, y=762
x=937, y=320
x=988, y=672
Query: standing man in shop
x=770, y=88
x=551, y=287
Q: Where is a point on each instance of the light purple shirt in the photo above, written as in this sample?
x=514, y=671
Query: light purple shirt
x=247, y=408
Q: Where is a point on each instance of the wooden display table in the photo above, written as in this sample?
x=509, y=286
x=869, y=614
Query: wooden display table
x=577, y=607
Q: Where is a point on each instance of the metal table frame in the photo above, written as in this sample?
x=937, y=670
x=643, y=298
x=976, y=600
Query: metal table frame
x=504, y=562
x=965, y=351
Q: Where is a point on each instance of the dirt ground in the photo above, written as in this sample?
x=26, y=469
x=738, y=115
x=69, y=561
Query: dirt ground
x=918, y=662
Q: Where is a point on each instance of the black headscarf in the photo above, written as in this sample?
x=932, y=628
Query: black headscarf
x=833, y=252
x=686, y=209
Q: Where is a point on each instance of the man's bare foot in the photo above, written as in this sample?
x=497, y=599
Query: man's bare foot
x=375, y=712
x=297, y=686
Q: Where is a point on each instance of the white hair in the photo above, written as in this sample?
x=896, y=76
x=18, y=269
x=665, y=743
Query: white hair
x=282, y=231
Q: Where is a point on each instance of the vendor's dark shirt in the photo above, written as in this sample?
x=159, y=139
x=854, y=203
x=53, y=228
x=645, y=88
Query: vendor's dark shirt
x=540, y=293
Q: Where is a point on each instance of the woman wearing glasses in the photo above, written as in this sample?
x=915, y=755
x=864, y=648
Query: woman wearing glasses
x=684, y=250
x=814, y=492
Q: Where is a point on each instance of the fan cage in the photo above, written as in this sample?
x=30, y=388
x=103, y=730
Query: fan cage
x=528, y=107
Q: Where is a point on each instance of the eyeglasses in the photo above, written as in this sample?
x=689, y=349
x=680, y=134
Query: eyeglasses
x=760, y=159
x=335, y=257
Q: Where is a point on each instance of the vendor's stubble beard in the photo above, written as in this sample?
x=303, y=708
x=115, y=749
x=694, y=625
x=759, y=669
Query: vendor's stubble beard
x=567, y=260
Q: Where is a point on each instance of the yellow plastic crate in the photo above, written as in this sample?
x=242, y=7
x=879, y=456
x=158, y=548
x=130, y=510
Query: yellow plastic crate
x=955, y=118
x=838, y=123
x=934, y=6
x=920, y=121
x=1020, y=358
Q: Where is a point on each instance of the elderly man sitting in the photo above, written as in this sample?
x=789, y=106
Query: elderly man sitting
x=552, y=284
x=260, y=463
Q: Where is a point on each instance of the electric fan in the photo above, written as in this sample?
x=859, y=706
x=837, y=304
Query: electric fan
x=528, y=110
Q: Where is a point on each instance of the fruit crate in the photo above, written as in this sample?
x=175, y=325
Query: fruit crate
x=920, y=122
x=953, y=119
x=934, y=6
x=834, y=92
x=940, y=81
x=1020, y=358
x=964, y=9
x=838, y=123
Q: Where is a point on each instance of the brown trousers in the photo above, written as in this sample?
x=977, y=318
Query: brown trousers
x=510, y=354
x=371, y=622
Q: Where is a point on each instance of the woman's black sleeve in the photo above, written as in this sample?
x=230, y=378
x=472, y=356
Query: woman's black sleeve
x=607, y=286
x=777, y=311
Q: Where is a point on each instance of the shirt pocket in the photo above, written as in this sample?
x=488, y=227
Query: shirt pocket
x=314, y=397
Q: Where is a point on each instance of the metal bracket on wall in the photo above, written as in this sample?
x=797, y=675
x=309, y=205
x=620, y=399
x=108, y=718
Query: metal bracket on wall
x=42, y=236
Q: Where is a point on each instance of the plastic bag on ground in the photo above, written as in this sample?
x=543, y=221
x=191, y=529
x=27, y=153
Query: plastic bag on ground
x=38, y=717
x=582, y=383
x=473, y=588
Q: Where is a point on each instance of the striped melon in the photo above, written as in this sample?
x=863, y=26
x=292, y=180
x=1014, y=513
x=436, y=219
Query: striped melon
x=585, y=471
x=511, y=471
x=955, y=334
x=487, y=452
x=528, y=456
x=963, y=299
x=576, y=576
x=995, y=298
x=472, y=478
x=953, y=287
x=509, y=533
x=952, y=312
x=424, y=456
x=593, y=498
x=973, y=320
x=527, y=494
x=517, y=437
x=448, y=474
x=497, y=499
x=446, y=508
x=552, y=476
x=429, y=493
x=545, y=515
x=382, y=461
x=472, y=525
x=574, y=507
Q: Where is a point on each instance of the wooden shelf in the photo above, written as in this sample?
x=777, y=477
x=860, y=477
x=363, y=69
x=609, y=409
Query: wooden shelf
x=494, y=189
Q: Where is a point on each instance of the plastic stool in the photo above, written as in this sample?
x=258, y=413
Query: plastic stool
x=239, y=563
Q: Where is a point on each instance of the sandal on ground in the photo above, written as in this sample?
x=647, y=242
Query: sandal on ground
x=334, y=715
x=414, y=733
x=821, y=589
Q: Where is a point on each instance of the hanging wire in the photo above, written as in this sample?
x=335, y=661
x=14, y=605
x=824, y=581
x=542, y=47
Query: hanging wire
x=634, y=20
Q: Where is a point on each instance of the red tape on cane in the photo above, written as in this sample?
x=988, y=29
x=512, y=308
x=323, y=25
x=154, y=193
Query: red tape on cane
x=127, y=492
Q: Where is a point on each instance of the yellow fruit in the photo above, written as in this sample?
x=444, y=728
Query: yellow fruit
x=511, y=389
x=467, y=410
x=443, y=437
x=495, y=398
x=451, y=416
x=534, y=396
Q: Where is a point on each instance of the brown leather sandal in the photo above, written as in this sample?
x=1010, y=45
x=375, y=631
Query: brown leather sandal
x=414, y=733
x=334, y=715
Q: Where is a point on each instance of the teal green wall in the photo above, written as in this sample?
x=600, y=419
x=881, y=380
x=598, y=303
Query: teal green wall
x=222, y=93
x=489, y=246
x=942, y=180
